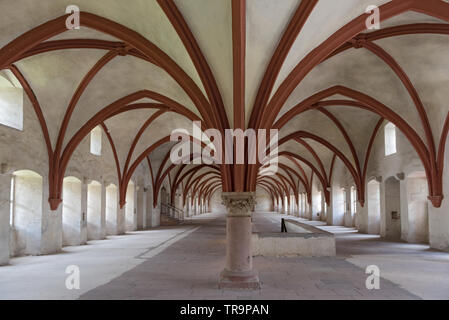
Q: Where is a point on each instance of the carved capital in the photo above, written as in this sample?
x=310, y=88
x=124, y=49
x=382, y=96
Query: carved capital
x=400, y=176
x=239, y=204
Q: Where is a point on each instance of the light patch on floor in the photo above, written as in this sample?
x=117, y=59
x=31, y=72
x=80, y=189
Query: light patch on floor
x=43, y=277
x=184, y=261
x=414, y=267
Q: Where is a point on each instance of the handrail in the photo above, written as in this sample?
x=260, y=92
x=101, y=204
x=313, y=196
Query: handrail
x=177, y=210
x=172, y=207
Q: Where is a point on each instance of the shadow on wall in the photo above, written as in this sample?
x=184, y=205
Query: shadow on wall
x=216, y=203
x=393, y=215
x=416, y=225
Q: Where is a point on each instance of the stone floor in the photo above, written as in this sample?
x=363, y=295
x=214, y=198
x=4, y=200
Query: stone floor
x=183, y=262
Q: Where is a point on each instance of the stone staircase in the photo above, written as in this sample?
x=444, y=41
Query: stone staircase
x=166, y=220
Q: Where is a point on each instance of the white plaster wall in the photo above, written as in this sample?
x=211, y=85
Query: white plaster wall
x=263, y=201
x=405, y=160
x=414, y=206
x=216, y=203
x=156, y=216
x=337, y=213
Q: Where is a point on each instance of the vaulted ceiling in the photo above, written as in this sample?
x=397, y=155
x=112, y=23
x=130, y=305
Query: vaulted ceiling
x=309, y=68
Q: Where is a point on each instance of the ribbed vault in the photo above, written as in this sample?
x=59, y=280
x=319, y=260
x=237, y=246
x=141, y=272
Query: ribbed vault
x=311, y=70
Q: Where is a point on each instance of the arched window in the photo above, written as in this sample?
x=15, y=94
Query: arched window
x=353, y=200
x=95, y=141
x=390, y=139
x=11, y=101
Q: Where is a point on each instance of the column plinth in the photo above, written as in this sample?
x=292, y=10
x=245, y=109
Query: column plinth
x=238, y=272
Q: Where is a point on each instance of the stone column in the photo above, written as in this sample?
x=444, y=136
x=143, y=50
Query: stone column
x=144, y=208
x=51, y=224
x=156, y=216
x=238, y=272
x=178, y=204
x=121, y=224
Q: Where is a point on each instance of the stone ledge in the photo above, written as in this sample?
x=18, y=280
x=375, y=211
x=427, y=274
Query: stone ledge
x=308, y=242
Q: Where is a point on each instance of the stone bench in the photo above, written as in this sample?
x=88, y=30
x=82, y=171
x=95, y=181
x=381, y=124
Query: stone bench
x=300, y=240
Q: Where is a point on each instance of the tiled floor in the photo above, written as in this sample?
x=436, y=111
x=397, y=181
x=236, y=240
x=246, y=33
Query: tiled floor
x=183, y=262
x=189, y=269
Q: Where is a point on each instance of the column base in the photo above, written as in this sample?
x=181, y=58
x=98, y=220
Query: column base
x=244, y=280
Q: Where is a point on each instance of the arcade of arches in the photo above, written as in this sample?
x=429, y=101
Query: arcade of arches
x=86, y=116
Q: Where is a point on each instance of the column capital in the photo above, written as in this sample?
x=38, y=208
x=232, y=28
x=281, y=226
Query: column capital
x=238, y=203
x=400, y=176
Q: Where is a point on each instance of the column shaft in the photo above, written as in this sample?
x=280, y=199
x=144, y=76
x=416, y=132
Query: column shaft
x=238, y=272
